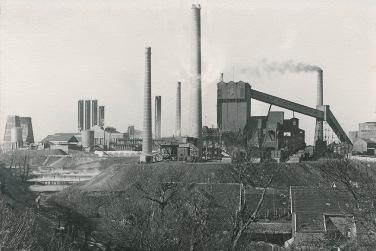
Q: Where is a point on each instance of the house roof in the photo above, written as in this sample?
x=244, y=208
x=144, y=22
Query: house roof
x=320, y=200
x=368, y=140
x=67, y=137
x=309, y=222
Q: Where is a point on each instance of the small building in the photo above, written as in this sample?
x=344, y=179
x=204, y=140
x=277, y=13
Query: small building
x=366, y=130
x=321, y=216
x=62, y=141
x=233, y=105
x=364, y=146
x=106, y=138
x=274, y=132
x=211, y=143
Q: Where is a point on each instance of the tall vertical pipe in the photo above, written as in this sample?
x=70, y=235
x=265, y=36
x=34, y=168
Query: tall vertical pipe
x=319, y=130
x=146, y=134
x=196, y=99
x=320, y=85
x=178, y=110
x=158, y=104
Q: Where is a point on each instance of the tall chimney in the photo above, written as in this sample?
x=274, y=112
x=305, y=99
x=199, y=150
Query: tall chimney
x=319, y=130
x=146, y=133
x=157, y=116
x=196, y=101
x=178, y=110
x=221, y=77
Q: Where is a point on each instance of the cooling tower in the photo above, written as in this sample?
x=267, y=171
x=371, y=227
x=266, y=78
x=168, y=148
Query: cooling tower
x=146, y=133
x=16, y=137
x=196, y=100
x=27, y=130
x=158, y=103
x=319, y=130
x=178, y=111
x=87, y=139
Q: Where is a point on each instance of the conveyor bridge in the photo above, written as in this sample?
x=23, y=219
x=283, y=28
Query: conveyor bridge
x=321, y=112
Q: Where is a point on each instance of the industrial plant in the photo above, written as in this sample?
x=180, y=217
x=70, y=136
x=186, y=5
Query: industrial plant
x=250, y=182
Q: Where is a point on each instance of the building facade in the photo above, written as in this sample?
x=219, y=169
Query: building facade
x=364, y=139
x=233, y=106
x=275, y=132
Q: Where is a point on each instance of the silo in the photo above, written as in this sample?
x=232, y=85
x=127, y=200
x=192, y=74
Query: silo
x=87, y=139
x=16, y=137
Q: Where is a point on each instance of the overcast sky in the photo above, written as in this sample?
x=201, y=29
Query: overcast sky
x=55, y=52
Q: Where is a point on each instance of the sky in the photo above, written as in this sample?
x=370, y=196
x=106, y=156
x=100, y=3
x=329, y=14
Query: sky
x=55, y=52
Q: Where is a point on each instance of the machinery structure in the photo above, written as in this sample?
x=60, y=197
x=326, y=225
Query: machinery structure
x=233, y=108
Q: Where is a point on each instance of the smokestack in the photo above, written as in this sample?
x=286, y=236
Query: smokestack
x=319, y=131
x=196, y=102
x=320, y=95
x=221, y=80
x=146, y=133
x=178, y=111
x=157, y=116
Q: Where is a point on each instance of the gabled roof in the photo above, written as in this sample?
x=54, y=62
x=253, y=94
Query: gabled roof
x=366, y=140
x=320, y=200
x=62, y=137
x=312, y=206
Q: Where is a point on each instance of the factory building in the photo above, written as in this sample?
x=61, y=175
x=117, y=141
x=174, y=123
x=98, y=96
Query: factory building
x=89, y=114
x=106, y=138
x=364, y=139
x=274, y=132
x=25, y=130
x=234, y=115
x=61, y=141
x=211, y=143
x=233, y=106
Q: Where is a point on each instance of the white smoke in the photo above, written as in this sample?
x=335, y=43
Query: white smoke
x=288, y=66
x=266, y=68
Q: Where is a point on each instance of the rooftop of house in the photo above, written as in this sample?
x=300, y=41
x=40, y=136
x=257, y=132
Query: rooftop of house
x=61, y=137
x=320, y=200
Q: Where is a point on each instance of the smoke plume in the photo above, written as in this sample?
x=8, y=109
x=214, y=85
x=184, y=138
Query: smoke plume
x=288, y=66
x=265, y=68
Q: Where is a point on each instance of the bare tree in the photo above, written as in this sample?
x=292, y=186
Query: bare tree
x=259, y=176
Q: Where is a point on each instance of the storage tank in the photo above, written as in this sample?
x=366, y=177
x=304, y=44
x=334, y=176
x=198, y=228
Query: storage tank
x=16, y=137
x=87, y=139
